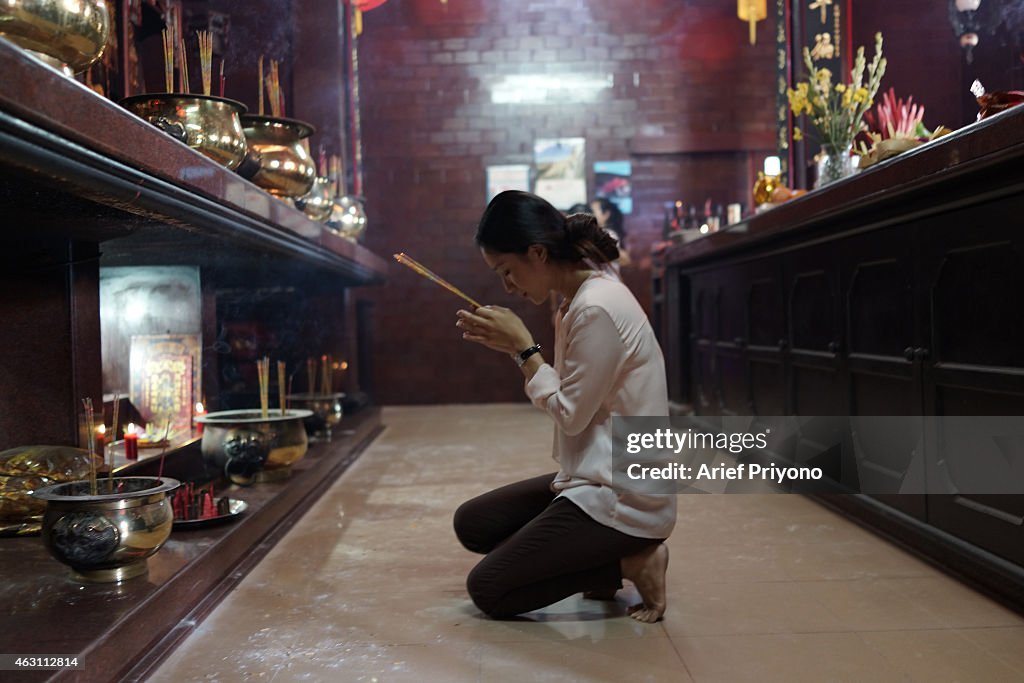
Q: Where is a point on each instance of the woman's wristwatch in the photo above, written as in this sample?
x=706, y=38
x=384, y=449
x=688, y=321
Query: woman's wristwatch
x=521, y=357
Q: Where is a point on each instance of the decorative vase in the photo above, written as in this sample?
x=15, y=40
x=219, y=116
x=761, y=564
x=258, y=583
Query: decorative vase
x=835, y=162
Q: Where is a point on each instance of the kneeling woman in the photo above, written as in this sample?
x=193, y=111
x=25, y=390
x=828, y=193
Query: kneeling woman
x=551, y=536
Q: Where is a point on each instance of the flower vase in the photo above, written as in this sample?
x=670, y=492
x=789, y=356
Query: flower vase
x=835, y=162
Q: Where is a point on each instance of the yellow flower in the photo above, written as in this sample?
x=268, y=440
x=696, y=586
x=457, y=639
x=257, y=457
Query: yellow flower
x=840, y=87
x=798, y=134
x=861, y=96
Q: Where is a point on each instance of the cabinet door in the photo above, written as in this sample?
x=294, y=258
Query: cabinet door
x=973, y=359
x=704, y=317
x=883, y=323
x=766, y=337
x=731, y=340
x=814, y=316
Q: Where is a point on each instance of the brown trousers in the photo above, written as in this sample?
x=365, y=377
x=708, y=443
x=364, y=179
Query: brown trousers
x=538, y=549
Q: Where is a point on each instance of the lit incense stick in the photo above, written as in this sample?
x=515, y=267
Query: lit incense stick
x=281, y=387
x=419, y=268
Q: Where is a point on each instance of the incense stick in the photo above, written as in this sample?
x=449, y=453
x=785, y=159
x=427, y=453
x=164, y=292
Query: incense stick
x=263, y=370
x=311, y=376
x=206, y=59
x=168, y=61
x=419, y=268
x=325, y=375
x=184, y=68
x=281, y=394
x=87, y=404
x=222, y=77
x=260, y=68
x=274, y=89
x=113, y=438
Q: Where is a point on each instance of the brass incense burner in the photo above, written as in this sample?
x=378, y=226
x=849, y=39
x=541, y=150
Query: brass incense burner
x=107, y=537
x=319, y=202
x=210, y=125
x=347, y=217
x=71, y=33
x=326, y=412
x=243, y=444
x=286, y=168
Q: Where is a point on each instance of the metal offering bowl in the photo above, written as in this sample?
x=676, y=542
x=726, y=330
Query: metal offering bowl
x=107, y=537
x=325, y=408
x=210, y=125
x=286, y=168
x=74, y=33
x=319, y=202
x=240, y=443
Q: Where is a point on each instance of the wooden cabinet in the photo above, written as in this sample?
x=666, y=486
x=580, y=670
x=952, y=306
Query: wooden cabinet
x=890, y=294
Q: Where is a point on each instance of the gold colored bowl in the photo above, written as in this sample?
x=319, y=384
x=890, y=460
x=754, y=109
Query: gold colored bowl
x=286, y=168
x=74, y=32
x=107, y=536
x=210, y=125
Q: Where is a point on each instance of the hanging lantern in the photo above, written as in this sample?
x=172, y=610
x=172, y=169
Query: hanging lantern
x=964, y=16
x=752, y=11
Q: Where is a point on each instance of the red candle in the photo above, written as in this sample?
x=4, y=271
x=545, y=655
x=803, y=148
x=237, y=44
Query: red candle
x=131, y=442
x=101, y=432
x=200, y=412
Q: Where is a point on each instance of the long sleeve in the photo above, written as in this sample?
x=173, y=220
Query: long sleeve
x=594, y=354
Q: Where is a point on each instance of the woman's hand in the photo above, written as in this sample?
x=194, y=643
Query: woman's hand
x=496, y=327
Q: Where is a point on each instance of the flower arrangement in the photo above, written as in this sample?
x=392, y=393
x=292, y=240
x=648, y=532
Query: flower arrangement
x=837, y=111
x=893, y=127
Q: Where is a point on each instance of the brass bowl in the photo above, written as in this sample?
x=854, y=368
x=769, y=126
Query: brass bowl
x=286, y=168
x=326, y=412
x=107, y=537
x=210, y=125
x=241, y=443
x=318, y=203
x=73, y=32
x=348, y=217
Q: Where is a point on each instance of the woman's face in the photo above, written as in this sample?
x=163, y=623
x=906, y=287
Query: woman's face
x=526, y=275
x=600, y=214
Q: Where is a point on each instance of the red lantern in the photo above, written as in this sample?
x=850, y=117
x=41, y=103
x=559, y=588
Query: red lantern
x=367, y=5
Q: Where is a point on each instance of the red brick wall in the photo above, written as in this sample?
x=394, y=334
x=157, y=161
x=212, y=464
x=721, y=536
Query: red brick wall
x=682, y=72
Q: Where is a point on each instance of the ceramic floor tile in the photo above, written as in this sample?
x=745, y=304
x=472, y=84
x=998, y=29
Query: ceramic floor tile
x=874, y=604
x=1005, y=644
x=698, y=609
x=943, y=655
x=652, y=660
x=874, y=558
x=795, y=658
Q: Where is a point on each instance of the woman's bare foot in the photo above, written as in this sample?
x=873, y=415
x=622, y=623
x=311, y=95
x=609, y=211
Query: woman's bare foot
x=608, y=594
x=647, y=570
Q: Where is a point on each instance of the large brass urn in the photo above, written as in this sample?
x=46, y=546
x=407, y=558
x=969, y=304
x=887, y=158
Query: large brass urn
x=71, y=33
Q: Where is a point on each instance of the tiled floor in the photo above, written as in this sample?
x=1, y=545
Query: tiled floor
x=369, y=587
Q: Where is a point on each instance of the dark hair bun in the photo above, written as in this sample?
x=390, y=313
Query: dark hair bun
x=589, y=240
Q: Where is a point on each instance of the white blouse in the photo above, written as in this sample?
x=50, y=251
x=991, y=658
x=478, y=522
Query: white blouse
x=607, y=363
